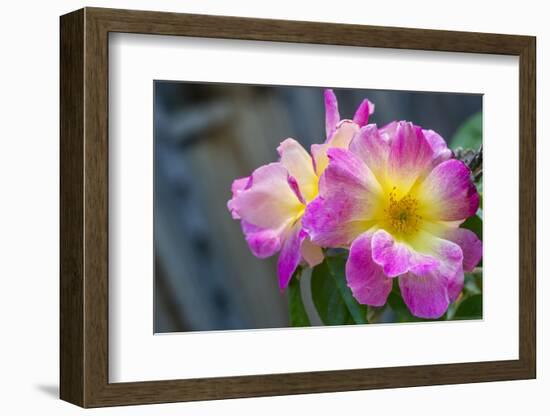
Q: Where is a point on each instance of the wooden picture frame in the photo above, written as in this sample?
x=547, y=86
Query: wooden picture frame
x=84, y=207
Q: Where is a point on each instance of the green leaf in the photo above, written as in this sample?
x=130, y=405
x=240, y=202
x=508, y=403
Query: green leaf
x=475, y=224
x=337, y=266
x=473, y=282
x=326, y=297
x=470, y=133
x=331, y=295
x=296, y=309
x=470, y=308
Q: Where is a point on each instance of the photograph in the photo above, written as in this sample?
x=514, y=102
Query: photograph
x=298, y=206
x=233, y=183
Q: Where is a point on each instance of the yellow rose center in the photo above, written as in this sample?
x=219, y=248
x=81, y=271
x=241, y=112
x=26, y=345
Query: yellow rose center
x=402, y=214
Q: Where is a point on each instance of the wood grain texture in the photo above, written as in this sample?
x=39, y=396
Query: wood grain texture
x=527, y=208
x=71, y=100
x=84, y=207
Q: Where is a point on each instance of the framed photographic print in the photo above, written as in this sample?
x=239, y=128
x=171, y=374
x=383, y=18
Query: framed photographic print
x=260, y=207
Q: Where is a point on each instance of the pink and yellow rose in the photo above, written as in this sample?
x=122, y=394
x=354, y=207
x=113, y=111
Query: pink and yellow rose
x=396, y=199
x=271, y=202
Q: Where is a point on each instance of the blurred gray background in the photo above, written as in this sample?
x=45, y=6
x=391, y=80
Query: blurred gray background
x=207, y=135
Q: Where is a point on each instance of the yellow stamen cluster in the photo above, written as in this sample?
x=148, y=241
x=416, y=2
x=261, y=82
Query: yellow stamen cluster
x=402, y=214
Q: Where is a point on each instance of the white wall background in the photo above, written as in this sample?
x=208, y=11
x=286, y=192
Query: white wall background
x=29, y=158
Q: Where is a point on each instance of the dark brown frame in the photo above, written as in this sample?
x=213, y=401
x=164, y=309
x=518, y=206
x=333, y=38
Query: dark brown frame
x=84, y=207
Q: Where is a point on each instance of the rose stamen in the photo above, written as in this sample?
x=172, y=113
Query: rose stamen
x=402, y=214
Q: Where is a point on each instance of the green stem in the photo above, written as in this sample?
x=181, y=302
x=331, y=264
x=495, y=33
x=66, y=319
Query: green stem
x=296, y=309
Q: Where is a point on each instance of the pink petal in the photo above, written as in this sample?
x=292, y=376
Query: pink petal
x=448, y=192
x=263, y=242
x=299, y=165
x=293, y=183
x=330, y=222
x=389, y=130
x=269, y=201
x=340, y=138
x=448, y=254
x=392, y=256
x=320, y=158
x=332, y=116
x=455, y=285
x=290, y=255
x=237, y=186
x=348, y=201
x=439, y=147
x=343, y=134
x=367, y=281
x=365, y=109
x=372, y=149
x=431, y=253
x=471, y=246
x=410, y=156
x=426, y=296
x=347, y=173
x=241, y=184
x=427, y=291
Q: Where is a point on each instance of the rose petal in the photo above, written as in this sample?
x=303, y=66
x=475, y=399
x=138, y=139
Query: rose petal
x=388, y=131
x=427, y=291
x=409, y=157
x=341, y=139
x=367, y=281
x=263, y=242
x=332, y=116
x=455, y=285
x=293, y=183
x=348, y=174
x=396, y=257
x=269, y=201
x=348, y=201
x=365, y=109
x=240, y=184
x=447, y=254
x=447, y=193
x=300, y=166
x=425, y=296
x=439, y=147
x=290, y=255
x=471, y=246
x=372, y=149
x=420, y=255
x=343, y=134
x=330, y=222
x=237, y=186
x=392, y=256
